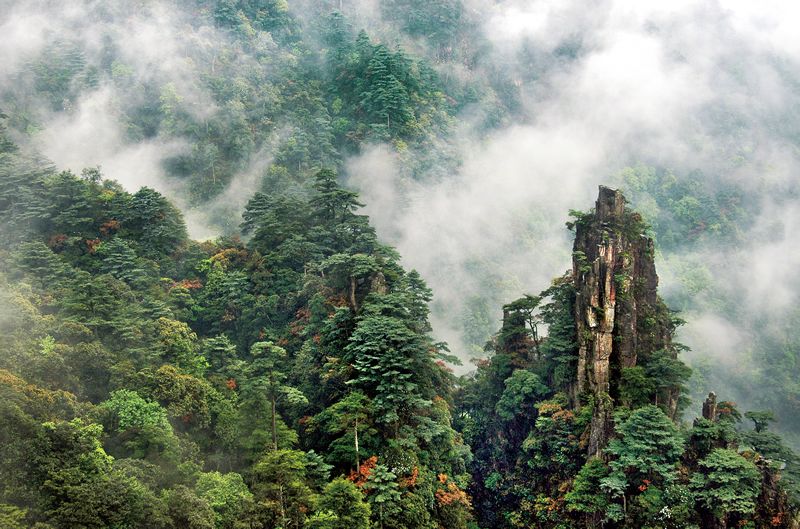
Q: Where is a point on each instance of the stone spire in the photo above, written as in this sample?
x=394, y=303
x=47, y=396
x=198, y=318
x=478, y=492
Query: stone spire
x=710, y=407
x=618, y=314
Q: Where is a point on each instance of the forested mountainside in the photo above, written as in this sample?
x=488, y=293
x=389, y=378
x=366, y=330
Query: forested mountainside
x=469, y=127
x=152, y=381
x=201, y=326
x=291, y=381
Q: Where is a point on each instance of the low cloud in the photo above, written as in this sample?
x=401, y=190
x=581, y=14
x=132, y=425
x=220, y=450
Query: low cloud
x=92, y=135
x=688, y=86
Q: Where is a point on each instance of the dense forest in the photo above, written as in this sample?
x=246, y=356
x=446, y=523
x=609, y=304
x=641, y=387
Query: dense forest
x=206, y=325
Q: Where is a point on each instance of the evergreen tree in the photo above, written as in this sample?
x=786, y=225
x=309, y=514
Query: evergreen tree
x=385, y=354
x=648, y=447
x=342, y=506
x=726, y=485
x=265, y=378
x=383, y=494
x=121, y=261
x=152, y=222
x=280, y=487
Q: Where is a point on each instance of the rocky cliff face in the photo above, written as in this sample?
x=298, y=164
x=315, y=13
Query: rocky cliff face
x=618, y=314
x=622, y=323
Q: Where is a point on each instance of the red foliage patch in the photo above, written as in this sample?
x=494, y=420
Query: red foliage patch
x=92, y=244
x=56, y=242
x=452, y=495
x=109, y=226
x=444, y=366
x=301, y=319
x=563, y=415
x=338, y=301
x=189, y=284
x=411, y=480
x=360, y=477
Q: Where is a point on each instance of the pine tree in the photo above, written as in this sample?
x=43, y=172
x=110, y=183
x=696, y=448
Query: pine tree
x=648, y=447
x=265, y=376
x=384, y=494
x=349, y=417
x=153, y=223
x=121, y=261
x=726, y=484
x=387, y=357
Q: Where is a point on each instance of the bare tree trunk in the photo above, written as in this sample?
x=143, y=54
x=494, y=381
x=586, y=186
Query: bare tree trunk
x=283, y=508
x=355, y=434
x=353, y=294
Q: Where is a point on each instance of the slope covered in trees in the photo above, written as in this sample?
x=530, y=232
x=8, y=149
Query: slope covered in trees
x=579, y=425
x=152, y=381
x=286, y=374
x=292, y=381
x=210, y=101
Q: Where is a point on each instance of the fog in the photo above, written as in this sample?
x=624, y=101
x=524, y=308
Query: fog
x=702, y=88
x=158, y=42
x=688, y=86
